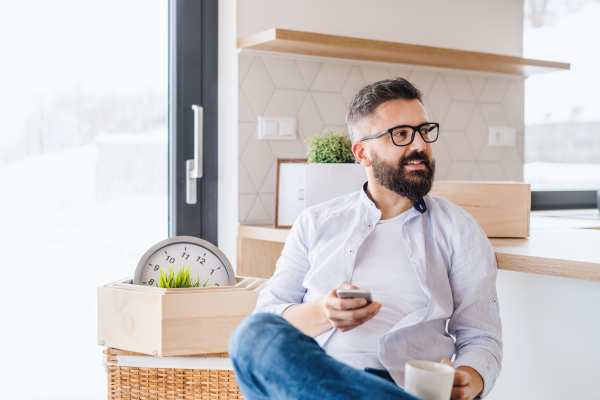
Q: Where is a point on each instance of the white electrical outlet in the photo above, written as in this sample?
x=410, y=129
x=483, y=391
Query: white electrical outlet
x=502, y=136
x=276, y=128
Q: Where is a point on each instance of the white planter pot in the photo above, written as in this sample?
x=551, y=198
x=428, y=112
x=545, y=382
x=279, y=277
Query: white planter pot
x=324, y=182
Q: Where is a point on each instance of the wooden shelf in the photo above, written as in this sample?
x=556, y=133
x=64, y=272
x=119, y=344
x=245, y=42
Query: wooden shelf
x=316, y=44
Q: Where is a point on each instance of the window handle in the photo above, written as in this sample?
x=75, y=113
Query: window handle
x=194, y=167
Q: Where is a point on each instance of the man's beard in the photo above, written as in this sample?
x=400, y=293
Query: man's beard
x=413, y=184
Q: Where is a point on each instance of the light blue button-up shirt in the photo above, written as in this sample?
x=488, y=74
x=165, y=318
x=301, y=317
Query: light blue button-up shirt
x=451, y=255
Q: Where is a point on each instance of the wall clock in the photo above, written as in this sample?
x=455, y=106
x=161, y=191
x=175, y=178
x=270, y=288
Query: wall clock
x=205, y=259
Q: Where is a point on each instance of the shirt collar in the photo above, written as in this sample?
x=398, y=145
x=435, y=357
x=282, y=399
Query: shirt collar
x=419, y=205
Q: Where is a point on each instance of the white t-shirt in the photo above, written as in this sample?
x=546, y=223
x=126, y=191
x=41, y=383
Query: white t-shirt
x=382, y=266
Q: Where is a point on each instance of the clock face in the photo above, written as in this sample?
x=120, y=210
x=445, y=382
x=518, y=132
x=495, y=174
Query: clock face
x=203, y=262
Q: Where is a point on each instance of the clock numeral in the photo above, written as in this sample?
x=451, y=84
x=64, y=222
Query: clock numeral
x=156, y=267
x=171, y=260
x=151, y=282
x=216, y=284
x=185, y=256
x=211, y=272
x=201, y=260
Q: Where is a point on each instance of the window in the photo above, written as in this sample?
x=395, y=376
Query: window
x=84, y=177
x=562, y=109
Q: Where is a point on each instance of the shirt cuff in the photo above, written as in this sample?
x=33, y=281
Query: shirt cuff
x=277, y=309
x=484, y=364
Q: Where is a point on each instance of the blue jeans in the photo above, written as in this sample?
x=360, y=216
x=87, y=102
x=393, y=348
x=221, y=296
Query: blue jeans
x=273, y=360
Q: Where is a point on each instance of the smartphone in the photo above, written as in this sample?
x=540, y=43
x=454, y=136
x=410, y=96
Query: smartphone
x=353, y=293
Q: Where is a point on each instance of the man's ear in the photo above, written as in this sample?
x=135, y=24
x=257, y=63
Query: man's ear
x=360, y=153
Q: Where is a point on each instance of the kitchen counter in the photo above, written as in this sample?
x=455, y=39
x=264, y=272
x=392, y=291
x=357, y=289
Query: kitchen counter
x=561, y=243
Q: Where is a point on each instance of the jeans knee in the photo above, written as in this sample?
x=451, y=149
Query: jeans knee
x=253, y=333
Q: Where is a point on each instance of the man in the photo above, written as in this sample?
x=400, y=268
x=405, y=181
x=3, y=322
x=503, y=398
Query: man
x=425, y=260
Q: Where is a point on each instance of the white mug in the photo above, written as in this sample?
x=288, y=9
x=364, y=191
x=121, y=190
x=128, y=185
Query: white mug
x=428, y=380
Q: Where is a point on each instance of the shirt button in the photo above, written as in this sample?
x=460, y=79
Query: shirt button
x=369, y=225
x=350, y=251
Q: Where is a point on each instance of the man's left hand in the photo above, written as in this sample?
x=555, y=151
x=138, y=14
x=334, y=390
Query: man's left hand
x=467, y=382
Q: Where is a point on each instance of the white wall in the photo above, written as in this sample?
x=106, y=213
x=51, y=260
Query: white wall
x=491, y=26
x=551, y=325
x=551, y=333
x=228, y=131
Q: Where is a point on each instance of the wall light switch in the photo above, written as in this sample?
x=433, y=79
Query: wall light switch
x=271, y=129
x=276, y=128
x=502, y=136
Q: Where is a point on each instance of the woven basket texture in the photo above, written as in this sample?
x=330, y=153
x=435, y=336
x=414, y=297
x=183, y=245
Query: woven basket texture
x=169, y=383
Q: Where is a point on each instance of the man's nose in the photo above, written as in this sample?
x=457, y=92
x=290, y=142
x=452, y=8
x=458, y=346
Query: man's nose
x=418, y=144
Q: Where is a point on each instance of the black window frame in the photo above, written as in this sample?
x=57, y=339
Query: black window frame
x=564, y=200
x=193, y=79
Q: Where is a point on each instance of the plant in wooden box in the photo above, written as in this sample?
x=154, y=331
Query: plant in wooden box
x=176, y=313
x=183, y=278
x=331, y=171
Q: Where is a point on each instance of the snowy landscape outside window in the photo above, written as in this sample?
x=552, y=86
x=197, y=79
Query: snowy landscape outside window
x=562, y=109
x=83, y=172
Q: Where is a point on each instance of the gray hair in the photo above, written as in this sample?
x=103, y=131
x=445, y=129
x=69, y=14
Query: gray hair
x=372, y=96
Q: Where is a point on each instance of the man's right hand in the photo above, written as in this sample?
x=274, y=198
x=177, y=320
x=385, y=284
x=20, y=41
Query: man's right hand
x=346, y=314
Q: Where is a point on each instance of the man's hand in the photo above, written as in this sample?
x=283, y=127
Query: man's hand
x=346, y=314
x=467, y=382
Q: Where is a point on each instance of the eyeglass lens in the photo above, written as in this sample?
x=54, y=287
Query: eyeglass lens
x=403, y=136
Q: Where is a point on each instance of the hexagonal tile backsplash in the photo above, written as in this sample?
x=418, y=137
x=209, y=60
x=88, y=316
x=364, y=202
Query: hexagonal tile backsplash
x=317, y=91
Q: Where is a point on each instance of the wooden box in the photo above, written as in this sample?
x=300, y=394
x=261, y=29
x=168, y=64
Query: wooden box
x=170, y=322
x=501, y=208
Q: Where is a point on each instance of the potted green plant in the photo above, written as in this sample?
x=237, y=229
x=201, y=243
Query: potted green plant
x=182, y=279
x=331, y=170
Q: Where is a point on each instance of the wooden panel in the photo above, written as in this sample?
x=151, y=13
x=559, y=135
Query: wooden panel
x=315, y=44
x=570, y=253
x=549, y=266
x=258, y=257
x=129, y=320
x=242, y=284
x=203, y=323
x=118, y=352
x=263, y=232
x=563, y=252
x=501, y=208
x=169, y=324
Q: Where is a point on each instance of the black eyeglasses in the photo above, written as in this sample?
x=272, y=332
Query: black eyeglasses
x=404, y=135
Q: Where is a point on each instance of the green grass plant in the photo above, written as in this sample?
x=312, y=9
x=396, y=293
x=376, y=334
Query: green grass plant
x=330, y=147
x=182, y=279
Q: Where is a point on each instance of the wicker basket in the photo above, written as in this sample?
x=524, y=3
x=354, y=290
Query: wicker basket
x=168, y=383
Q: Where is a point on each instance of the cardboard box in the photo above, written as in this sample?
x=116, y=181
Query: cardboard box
x=170, y=322
x=501, y=208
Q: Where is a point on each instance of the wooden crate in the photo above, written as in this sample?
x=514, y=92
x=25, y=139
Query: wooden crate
x=501, y=208
x=170, y=322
